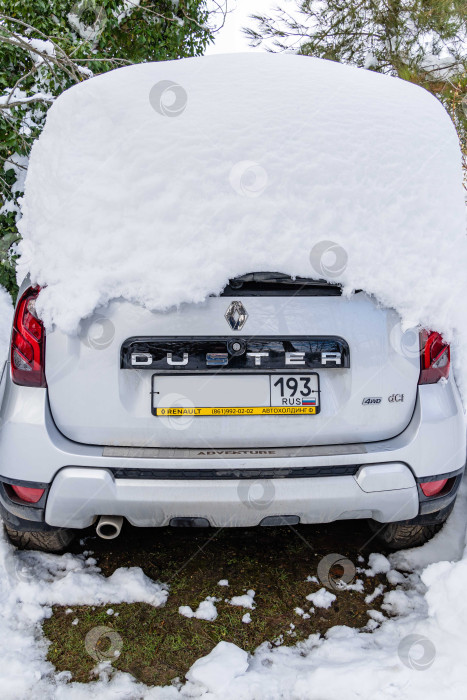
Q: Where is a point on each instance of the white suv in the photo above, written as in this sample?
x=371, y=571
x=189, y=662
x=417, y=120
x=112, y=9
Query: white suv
x=277, y=402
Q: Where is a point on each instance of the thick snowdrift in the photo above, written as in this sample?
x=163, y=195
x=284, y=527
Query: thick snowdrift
x=158, y=182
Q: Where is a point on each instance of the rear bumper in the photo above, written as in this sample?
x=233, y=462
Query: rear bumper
x=228, y=487
x=382, y=492
x=78, y=495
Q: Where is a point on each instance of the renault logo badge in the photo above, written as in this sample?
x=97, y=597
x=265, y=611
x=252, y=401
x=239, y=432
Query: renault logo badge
x=236, y=315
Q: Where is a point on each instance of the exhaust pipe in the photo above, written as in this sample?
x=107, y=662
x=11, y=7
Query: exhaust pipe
x=109, y=526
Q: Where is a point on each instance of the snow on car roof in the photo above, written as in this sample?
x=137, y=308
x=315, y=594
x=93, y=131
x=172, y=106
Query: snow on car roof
x=158, y=182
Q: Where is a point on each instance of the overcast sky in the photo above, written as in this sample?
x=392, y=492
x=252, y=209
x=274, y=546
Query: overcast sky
x=230, y=38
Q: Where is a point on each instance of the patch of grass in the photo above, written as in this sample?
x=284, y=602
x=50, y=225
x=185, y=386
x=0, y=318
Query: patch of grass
x=159, y=644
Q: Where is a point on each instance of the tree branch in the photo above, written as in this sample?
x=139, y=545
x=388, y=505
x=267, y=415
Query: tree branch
x=26, y=101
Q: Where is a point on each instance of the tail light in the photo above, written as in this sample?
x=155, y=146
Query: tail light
x=28, y=343
x=435, y=358
x=27, y=494
x=432, y=488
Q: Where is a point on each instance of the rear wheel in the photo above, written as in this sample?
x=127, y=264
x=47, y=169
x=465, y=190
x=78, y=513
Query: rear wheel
x=50, y=541
x=406, y=534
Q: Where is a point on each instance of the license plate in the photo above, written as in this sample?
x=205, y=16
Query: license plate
x=235, y=395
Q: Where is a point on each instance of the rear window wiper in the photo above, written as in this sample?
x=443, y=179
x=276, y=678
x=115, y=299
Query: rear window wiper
x=277, y=283
x=277, y=278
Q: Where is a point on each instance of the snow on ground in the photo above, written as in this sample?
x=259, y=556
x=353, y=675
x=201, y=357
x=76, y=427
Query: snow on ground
x=244, y=601
x=379, y=564
x=379, y=590
x=206, y=610
x=198, y=170
x=71, y=580
x=30, y=583
x=216, y=671
x=302, y=613
x=415, y=652
x=416, y=655
x=322, y=598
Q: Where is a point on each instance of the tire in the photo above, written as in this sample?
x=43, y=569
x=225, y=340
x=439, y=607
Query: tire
x=407, y=534
x=50, y=541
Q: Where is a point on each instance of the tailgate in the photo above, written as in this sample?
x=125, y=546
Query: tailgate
x=302, y=370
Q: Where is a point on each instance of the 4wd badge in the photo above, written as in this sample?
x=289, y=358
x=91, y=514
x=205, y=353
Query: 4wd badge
x=371, y=400
x=236, y=315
